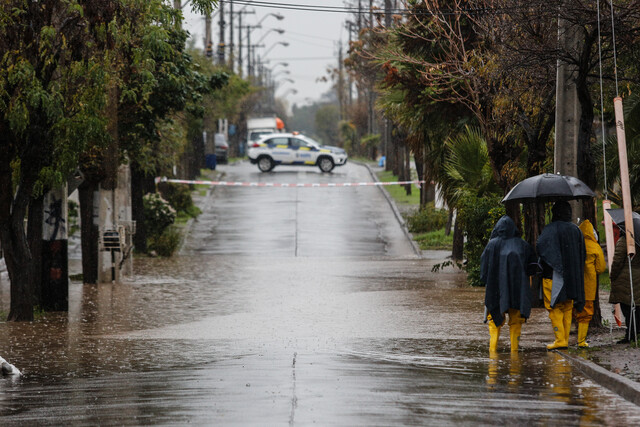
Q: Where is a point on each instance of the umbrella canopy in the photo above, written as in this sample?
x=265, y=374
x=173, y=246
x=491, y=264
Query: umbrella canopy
x=549, y=187
x=617, y=215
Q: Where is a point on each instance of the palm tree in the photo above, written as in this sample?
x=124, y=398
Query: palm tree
x=467, y=170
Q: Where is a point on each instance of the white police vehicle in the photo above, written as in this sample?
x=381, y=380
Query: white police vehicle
x=294, y=149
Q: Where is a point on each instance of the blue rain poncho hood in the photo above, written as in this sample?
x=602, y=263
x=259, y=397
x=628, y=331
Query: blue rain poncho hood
x=505, y=265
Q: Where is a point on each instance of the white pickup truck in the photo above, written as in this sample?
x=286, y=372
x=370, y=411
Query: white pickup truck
x=258, y=126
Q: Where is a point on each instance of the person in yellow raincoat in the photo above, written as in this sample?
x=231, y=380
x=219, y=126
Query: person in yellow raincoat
x=594, y=265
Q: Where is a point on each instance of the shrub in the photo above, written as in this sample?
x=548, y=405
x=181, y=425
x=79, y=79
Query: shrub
x=427, y=219
x=158, y=214
x=477, y=216
x=178, y=196
x=166, y=243
x=434, y=240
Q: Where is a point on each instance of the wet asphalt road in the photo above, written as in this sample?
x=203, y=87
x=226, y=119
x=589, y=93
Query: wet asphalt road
x=287, y=306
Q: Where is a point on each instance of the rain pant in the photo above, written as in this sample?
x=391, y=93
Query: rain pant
x=594, y=265
x=562, y=250
x=505, y=265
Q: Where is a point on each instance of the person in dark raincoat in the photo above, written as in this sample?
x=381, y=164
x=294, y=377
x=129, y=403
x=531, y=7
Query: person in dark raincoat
x=621, y=281
x=562, y=253
x=505, y=265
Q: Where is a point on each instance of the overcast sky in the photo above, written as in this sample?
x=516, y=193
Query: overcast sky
x=312, y=36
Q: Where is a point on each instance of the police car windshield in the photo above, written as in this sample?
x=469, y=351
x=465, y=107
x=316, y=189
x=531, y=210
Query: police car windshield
x=309, y=140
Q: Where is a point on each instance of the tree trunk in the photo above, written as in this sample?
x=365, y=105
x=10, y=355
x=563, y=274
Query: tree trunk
x=449, y=224
x=420, y=172
x=15, y=247
x=34, y=237
x=137, y=208
x=88, y=232
x=407, y=168
x=458, y=243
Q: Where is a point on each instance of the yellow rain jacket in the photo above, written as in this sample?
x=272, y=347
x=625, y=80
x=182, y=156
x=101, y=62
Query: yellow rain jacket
x=594, y=263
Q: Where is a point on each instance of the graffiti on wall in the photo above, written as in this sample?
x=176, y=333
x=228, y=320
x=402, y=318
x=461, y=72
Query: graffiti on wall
x=54, y=218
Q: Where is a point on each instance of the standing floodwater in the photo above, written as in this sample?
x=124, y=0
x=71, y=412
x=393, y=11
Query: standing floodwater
x=288, y=306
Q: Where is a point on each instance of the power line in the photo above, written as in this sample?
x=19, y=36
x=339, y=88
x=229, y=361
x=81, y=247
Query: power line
x=345, y=9
x=308, y=58
x=310, y=36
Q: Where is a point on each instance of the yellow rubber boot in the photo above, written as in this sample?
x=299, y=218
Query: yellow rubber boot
x=582, y=334
x=494, y=332
x=566, y=320
x=557, y=322
x=514, y=332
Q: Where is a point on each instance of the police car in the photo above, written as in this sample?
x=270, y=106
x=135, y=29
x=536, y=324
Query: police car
x=294, y=149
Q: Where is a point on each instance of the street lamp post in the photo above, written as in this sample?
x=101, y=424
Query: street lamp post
x=288, y=91
x=285, y=44
x=250, y=28
x=277, y=30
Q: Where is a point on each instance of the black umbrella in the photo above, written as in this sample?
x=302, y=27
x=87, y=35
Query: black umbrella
x=549, y=187
x=617, y=215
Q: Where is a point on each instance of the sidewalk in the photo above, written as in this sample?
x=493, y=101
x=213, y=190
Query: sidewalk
x=613, y=366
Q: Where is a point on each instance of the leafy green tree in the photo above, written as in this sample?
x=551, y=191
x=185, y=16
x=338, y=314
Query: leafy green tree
x=231, y=101
x=52, y=93
x=158, y=81
x=59, y=70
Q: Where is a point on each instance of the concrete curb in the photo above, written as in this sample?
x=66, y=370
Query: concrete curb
x=394, y=208
x=629, y=390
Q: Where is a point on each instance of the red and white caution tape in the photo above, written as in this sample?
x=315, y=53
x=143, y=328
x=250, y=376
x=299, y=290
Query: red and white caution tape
x=284, y=184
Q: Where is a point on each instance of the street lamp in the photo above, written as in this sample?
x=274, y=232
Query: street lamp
x=287, y=79
x=284, y=64
x=275, y=15
x=274, y=75
x=277, y=30
x=288, y=91
x=285, y=44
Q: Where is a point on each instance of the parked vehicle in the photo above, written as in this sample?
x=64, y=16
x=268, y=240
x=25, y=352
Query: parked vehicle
x=260, y=126
x=222, y=148
x=294, y=149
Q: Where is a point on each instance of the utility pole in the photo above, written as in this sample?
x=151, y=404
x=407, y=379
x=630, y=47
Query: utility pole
x=208, y=42
x=370, y=122
x=386, y=140
x=221, y=44
x=231, y=56
x=565, y=149
x=341, y=97
x=240, y=44
x=349, y=79
x=249, y=65
x=240, y=27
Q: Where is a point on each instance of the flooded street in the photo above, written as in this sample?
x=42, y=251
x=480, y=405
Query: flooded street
x=288, y=306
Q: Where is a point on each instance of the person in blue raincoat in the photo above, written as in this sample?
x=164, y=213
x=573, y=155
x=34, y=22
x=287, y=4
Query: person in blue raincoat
x=505, y=266
x=562, y=253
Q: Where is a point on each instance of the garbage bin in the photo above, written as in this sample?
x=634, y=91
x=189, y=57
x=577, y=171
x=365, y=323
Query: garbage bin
x=210, y=160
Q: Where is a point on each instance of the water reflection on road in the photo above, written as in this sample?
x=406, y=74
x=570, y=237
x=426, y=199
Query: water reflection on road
x=365, y=342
